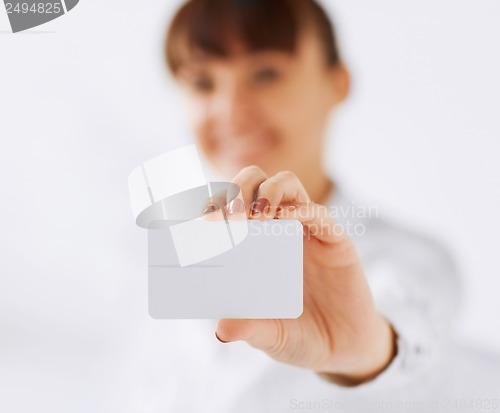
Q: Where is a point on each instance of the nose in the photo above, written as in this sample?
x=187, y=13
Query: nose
x=234, y=108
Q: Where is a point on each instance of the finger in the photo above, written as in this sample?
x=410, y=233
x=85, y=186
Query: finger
x=235, y=209
x=261, y=334
x=284, y=188
x=316, y=220
x=249, y=179
x=211, y=211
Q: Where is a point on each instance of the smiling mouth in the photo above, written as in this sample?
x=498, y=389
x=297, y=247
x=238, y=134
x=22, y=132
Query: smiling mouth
x=246, y=151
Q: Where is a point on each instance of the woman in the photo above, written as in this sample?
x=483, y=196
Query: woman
x=261, y=79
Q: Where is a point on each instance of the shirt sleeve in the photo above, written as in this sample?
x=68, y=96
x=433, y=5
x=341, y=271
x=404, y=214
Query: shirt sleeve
x=416, y=286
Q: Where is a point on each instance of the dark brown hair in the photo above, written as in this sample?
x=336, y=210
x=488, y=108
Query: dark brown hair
x=212, y=27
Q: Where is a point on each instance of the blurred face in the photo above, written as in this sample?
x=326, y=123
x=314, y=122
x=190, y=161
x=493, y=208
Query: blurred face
x=266, y=108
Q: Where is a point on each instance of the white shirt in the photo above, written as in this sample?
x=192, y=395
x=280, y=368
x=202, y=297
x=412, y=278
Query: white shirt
x=415, y=286
x=87, y=344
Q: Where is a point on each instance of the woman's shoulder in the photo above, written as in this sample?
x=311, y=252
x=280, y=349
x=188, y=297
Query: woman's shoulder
x=375, y=231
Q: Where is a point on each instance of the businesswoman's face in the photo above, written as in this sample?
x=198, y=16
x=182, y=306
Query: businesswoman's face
x=266, y=108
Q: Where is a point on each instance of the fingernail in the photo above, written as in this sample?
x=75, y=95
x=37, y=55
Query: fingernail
x=236, y=207
x=217, y=337
x=210, y=208
x=260, y=205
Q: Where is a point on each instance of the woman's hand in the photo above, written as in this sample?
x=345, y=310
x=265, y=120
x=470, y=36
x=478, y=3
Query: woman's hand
x=340, y=334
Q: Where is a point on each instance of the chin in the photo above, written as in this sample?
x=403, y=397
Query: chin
x=230, y=166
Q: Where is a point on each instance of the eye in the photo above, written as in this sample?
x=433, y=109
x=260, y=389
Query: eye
x=266, y=75
x=202, y=84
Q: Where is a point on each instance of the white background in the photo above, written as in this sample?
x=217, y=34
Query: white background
x=85, y=99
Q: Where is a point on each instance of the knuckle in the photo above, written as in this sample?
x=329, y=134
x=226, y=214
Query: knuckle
x=289, y=175
x=278, y=345
x=253, y=170
x=269, y=185
x=249, y=174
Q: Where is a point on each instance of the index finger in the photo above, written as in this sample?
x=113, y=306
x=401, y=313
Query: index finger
x=249, y=180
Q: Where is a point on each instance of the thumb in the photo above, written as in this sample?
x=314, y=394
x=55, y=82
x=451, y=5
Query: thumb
x=261, y=334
